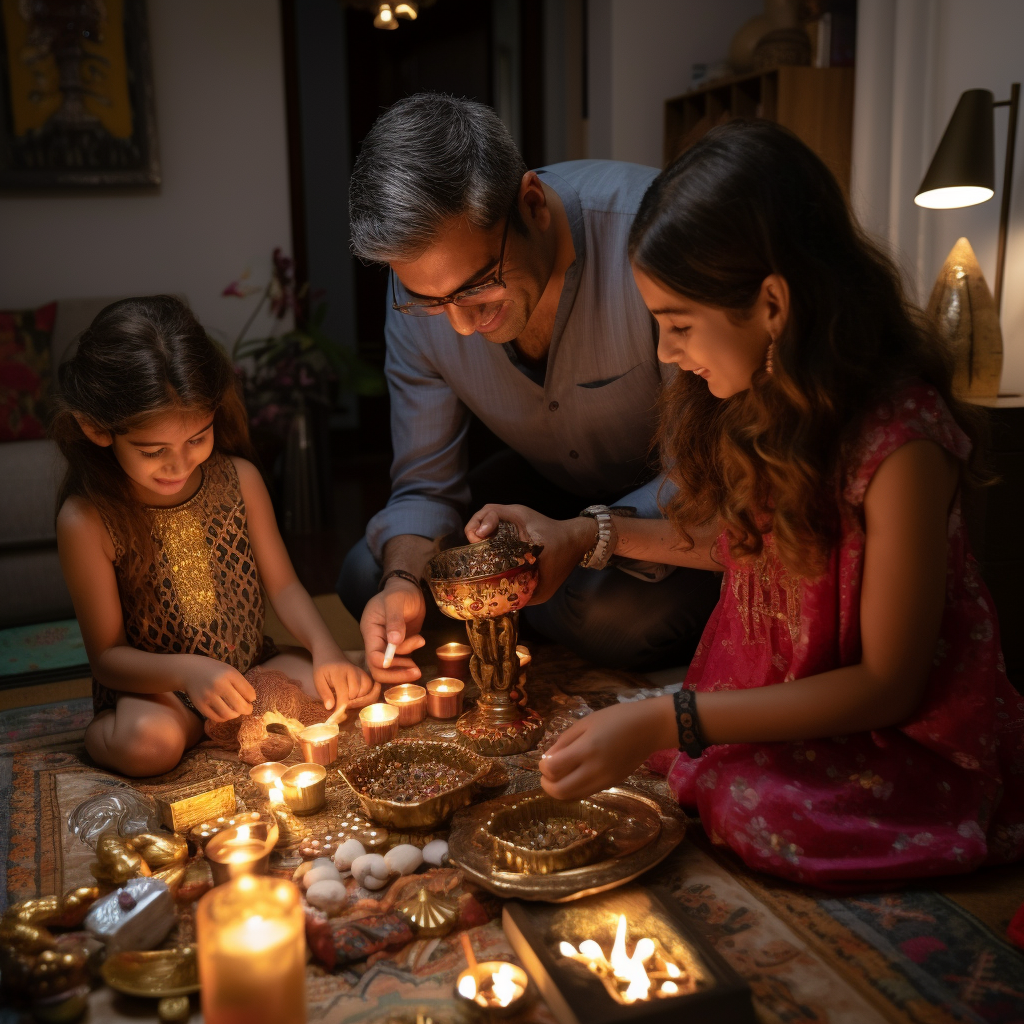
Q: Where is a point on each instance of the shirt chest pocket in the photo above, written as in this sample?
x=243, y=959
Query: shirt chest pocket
x=625, y=403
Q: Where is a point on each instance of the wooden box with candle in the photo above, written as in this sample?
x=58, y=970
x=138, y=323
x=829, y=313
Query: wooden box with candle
x=629, y=956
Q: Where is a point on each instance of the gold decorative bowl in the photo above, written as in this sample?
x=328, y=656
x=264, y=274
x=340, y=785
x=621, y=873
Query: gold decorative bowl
x=529, y=861
x=154, y=974
x=416, y=814
x=493, y=577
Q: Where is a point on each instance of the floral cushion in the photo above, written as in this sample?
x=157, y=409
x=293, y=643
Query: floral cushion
x=25, y=371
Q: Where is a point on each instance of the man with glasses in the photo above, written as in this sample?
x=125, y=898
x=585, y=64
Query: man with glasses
x=511, y=299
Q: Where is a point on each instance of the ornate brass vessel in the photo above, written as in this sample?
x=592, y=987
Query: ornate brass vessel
x=485, y=585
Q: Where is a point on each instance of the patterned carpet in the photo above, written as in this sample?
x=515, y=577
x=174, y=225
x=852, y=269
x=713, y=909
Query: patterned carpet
x=915, y=955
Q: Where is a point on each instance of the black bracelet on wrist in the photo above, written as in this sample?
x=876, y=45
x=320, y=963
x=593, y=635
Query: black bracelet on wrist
x=402, y=574
x=691, y=740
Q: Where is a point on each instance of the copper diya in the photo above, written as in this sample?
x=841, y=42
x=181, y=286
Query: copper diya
x=404, y=813
x=485, y=584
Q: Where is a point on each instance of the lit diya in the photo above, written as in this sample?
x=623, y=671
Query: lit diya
x=496, y=986
x=411, y=701
x=320, y=743
x=266, y=775
x=202, y=833
x=305, y=787
x=453, y=660
x=379, y=723
x=444, y=697
x=244, y=850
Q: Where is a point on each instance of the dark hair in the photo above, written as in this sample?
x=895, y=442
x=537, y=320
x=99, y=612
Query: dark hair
x=747, y=201
x=426, y=159
x=139, y=357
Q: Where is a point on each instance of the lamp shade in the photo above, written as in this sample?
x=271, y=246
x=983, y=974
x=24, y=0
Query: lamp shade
x=962, y=172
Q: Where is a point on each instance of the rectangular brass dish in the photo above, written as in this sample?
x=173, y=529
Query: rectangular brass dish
x=541, y=807
x=421, y=814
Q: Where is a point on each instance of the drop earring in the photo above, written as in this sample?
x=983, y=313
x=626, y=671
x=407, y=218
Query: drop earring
x=769, y=359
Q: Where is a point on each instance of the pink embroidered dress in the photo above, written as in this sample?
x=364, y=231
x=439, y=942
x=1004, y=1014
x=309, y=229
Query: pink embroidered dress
x=941, y=794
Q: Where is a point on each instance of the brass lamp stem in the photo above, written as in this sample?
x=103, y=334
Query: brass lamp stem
x=1004, y=213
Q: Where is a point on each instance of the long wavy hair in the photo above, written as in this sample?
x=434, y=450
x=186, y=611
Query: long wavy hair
x=747, y=201
x=139, y=358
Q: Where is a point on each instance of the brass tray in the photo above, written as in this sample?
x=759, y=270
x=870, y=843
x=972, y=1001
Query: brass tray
x=155, y=974
x=528, y=861
x=650, y=829
x=422, y=814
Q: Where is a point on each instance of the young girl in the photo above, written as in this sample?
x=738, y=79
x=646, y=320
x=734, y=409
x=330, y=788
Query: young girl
x=847, y=716
x=167, y=535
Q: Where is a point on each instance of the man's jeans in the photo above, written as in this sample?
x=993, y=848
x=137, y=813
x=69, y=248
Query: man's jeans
x=608, y=617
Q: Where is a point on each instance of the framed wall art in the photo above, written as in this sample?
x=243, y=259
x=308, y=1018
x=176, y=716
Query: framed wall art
x=76, y=94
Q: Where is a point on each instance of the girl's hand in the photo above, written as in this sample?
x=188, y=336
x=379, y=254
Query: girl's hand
x=604, y=748
x=336, y=675
x=565, y=541
x=218, y=691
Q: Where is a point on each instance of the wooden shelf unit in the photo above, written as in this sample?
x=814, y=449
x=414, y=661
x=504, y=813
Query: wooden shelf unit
x=816, y=104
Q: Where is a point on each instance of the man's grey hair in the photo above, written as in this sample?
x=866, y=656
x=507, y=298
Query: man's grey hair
x=427, y=159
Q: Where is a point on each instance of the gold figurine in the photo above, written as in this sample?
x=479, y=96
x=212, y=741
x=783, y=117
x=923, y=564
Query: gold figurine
x=115, y=863
x=159, y=850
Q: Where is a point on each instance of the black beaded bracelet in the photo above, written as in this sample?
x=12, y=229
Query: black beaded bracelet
x=691, y=742
x=402, y=574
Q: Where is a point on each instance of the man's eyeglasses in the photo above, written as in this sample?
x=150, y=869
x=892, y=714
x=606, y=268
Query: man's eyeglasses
x=490, y=290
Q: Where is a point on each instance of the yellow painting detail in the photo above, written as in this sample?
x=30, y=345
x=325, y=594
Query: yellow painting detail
x=91, y=86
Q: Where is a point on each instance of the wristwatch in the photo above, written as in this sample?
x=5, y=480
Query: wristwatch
x=607, y=535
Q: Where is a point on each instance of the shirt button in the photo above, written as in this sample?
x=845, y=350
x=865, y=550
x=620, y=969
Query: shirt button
x=552, y=406
x=574, y=455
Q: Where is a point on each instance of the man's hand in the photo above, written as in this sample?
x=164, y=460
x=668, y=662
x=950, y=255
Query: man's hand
x=604, y=748
x=395, y=616
x=565, y=541
x=218, y=691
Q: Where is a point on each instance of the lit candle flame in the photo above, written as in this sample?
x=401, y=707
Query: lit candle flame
x=624, y=968
x=503, y=985
x=467, y=987
x=243, y=833
x=276, y=795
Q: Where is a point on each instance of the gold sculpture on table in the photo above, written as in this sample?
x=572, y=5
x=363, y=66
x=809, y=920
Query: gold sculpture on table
x=967, y=320
x=485, y=585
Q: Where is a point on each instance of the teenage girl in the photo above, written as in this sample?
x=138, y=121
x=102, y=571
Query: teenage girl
x=167, y=538
x=847, y=715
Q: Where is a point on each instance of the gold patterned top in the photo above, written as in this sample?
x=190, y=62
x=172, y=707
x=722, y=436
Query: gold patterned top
x=202, y=596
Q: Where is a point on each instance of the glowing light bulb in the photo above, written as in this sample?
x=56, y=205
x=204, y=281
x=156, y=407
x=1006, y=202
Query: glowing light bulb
x=672, y=971
x=669, y=988
x=407, y=10
x=953, y=197
x=567, y=949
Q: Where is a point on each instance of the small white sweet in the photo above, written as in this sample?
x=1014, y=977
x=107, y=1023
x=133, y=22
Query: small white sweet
x=322, y=862
x=328, y=896
x=347, y=852
x=436, y=852
x=324, y=873
x=370, y=870
x=403, y=859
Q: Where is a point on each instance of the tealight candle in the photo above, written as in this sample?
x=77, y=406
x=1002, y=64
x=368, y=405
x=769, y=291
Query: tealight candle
x=252, y=953
x=244, y=850
x=305, y=787
x=266, y=775
x=524, y=660
x=379, y=723
x=411, y=701
x=320, y=743
x=444, y=697
x=453, y=660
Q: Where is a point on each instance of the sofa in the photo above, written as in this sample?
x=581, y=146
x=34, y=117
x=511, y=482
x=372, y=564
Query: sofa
x=32, y=586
